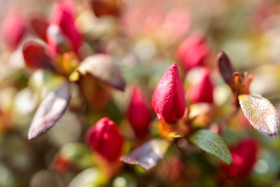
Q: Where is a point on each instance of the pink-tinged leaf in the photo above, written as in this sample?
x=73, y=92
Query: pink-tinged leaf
x=261, y=113
x=35, y=56
x=64, y=18
x=50, y=111
x=148, y=154
x=103, y=67
x=13, y=28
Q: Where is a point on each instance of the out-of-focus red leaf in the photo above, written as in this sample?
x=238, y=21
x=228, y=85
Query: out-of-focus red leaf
x=106, y=7
x=39, y=25
x=35, y=56
x=50, y=111
x=61, y=164
x=102, y=67
x=148, y=154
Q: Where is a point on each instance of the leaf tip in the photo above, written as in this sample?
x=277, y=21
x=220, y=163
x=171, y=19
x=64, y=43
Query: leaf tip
x=32, y=134
x=225, y=67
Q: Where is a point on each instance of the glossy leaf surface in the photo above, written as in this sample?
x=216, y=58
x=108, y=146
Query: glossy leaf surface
x=103, y=67
x=50, y=111
x=213, y=144
x=261, y=114
x=148, y=154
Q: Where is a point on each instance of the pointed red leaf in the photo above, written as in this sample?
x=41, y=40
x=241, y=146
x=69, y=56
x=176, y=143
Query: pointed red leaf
x=35, y=56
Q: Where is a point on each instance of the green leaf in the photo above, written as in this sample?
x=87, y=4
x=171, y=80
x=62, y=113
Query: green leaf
x=213, y=144
x=261, y=113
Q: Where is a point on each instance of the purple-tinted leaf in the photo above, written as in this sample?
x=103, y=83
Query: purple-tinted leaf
x=148, y=154
x=50, y=111
x=103, y=67
x=225, y=67
x=35, y=56
x=261, y=114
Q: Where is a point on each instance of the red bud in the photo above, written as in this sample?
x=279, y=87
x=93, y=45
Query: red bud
x=63, y=17
x=193, y=52
x=203, y=90
x=13, y=29
x=244, y=156
x=106, y=139
x=169, y=96
x=139, y=113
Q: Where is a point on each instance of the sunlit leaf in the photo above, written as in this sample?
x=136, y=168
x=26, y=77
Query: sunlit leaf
x=50, y=111
x=225, y=67
x=148, y=154
x=103, y=67
x=213, y=144
x=261, y=113
x=35, y=56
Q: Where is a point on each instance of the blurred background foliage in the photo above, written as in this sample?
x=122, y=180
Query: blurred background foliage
x=142, y=37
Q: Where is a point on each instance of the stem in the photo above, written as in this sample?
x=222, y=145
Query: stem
x=230, y=115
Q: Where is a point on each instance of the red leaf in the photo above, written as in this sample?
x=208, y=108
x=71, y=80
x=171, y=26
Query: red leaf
x=106, y=7
x=39, y=25
x=35, y=56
